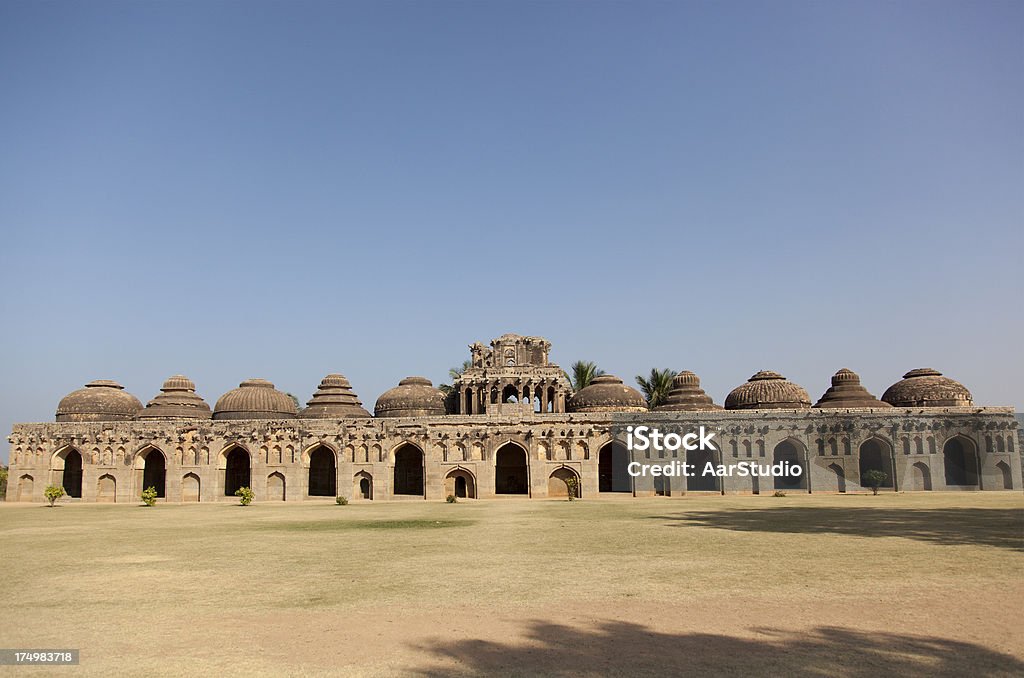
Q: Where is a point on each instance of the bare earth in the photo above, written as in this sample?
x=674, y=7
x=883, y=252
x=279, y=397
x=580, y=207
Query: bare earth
x=910, y=584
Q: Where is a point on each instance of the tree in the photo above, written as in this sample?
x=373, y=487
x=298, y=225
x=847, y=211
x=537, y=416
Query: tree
x=657, y=386
x=454, y=373
x=583, y=372
x=148, y=496
x=295, y=400
x=3, y=482
x=873, y=479
x=53, y=493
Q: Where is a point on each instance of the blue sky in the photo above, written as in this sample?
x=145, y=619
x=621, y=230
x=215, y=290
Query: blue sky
x=239, y=189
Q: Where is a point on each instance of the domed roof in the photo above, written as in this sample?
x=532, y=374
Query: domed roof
x=846, y=391
x=334, y=400
x=413, y=397
x=100, y=400
x=768, y=390
x=925, y=387
x=607, y=393
x=255, y=399
x=686, y=395
x=177, y=400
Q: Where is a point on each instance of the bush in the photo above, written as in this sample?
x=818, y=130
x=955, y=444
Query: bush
x=779, y=493
x=341, y=501
x=148, y=496
x=873, y=479
x=245, y=495
x=451, y=499
x=571, y=484
x=3, y=482
x=53, y=493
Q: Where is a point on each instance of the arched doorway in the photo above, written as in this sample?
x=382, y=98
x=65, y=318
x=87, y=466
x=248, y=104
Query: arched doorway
x=154, y=471
x=840, y=475
x=190, y=485
x=276, y=487
x=511, y=475
x=323, y=477
x=460, y=482
x=236, y=471
x=961, y=463
x=363, y=483
x=25, y=487
x=787, y=451
x=71, y=478
x=408, y=470
x=106, y=488
x=874, y=456
x=558, y=482
x=922, y=476
x=1007, y=475
x=699, y=481
x=612, y=465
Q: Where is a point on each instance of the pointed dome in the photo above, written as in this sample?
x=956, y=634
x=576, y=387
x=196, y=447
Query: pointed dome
x=925, y=387
x=255, y=399
x=413, y=397
x=100, y=400
x=607, y=393
x=768, y=390
x=687, y=395
x=846, y=391
x=334, y=400
x=177, y=400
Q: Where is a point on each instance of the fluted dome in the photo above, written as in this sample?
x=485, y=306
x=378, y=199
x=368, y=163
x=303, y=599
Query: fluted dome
x=846, y=391
x=100, y=400
x=255, y=399
x=768, y=390
x=607, y=393
x=177, y=400
x=686, y=395
x=926, y=387
x=413, y=397
x=334, y=400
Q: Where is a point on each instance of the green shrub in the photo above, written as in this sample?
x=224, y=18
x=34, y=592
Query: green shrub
x=571, y=484
x=148, y=496
x=53, y=493
x=245, y=495
x=451, y=499
x=341, y=501
x=779, y=493
x=873, y=479
x=3, y=482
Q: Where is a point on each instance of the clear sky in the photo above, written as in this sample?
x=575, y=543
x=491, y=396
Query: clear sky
x=286, y=189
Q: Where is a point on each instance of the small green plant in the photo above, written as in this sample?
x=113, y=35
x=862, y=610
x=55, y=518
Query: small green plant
x=245, y=495
x=874, y=479
x=3, y=482
x=572, y=485
x=451, y=499
x=53, y=493
x=779, y=493
x=148, y=496
x=341, y=501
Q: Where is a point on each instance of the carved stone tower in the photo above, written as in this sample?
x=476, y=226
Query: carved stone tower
x=514, y=372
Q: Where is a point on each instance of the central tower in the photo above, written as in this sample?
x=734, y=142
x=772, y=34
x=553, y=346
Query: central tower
x=513, y=374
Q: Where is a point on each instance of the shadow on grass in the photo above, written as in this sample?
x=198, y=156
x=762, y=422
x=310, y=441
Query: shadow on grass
x=1003, y=528
x=619, y=648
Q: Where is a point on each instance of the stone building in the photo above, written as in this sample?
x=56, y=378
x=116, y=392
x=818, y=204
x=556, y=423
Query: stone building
x=510, y=427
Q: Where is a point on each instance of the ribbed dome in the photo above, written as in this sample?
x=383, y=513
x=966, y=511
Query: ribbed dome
x=768, y=390
x=846, y=391
x=413, y=397
x=177, y=400
x=255, y=399
x=925, y=387
x=100, y=400
x=334, y=400
x=607, y=393
x=687, y=395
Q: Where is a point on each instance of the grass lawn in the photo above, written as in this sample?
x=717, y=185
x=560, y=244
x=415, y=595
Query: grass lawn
x=910, y=584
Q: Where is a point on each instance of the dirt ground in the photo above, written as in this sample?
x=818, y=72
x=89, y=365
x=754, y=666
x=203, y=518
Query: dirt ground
x=909, y=584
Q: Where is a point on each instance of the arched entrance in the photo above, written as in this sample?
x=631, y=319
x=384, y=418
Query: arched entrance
x=840, y=475
x=408, y=470
x=460, y=483
x=922, y=476
x=363, y=485
x=190, y=486
x=558, y=483
x=698, y=481
x=1004, y=469
x=106, y=488
x=25, y=487
x=236, y=471
x=71, y=477
x=961, y=463
x=612, y=465
x=875, y=456
x=323, y=476
x=787, y=451
x=276, y=487
x=511, y=475
x=154, y=471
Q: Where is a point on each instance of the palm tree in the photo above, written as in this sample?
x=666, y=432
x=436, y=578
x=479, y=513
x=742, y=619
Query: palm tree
x=657, y=386
x=583, y=372
x=454, y=373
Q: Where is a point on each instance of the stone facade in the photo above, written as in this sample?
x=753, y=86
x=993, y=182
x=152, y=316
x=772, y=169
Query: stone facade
x=528, y=447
